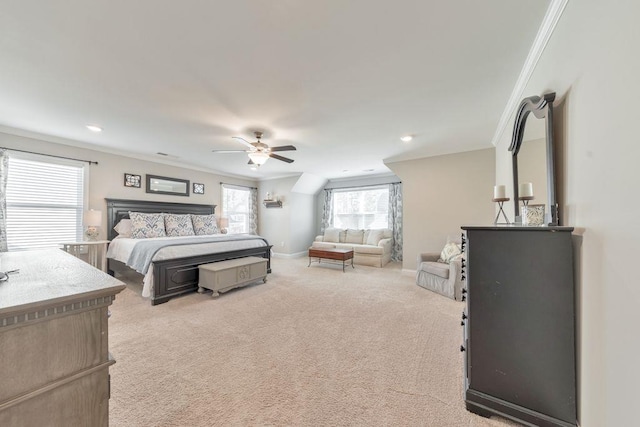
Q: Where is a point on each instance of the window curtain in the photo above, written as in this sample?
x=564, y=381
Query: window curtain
x=395, y=220
x=327, y=210
x=4, y=171
x=253, y=211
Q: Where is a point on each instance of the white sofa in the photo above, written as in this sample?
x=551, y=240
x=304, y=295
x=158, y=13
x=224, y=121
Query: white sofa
x=370, y=247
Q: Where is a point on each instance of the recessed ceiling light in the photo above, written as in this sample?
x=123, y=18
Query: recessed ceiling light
x=406, y=138
x=94, y=128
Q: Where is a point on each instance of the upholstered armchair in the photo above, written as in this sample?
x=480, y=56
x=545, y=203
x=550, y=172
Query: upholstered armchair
x=437, y=276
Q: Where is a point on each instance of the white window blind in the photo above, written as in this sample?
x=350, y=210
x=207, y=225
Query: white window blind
x=45, y=202
x=361, y=208
x=235, y=207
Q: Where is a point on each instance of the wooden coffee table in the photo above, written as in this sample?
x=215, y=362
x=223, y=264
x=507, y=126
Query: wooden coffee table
x=335, y=254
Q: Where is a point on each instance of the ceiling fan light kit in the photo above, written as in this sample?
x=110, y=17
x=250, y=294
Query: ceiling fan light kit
x=259, y=152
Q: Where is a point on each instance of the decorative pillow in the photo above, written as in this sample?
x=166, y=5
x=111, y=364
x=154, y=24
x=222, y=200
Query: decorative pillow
x=331, y=235
x=123, y=228
x=146, y=225
x=204, y=224
x=178, y=225
x=450, y=251
x=374, y=237
x=354, y=236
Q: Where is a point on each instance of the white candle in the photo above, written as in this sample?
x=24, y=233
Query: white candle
x=526, y=190
x=499, y=192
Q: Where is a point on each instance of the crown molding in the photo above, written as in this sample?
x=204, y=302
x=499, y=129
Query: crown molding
x=551, y=18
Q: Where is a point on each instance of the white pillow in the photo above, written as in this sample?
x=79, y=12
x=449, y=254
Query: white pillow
x=374, y=237
x=147, y=225
x=449, y=252
x=354, y=236
x=123, y=228
x=331, y=235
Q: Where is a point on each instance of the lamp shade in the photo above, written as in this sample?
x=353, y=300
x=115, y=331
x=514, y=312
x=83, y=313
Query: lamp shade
x=259, y=157
x=92, y=218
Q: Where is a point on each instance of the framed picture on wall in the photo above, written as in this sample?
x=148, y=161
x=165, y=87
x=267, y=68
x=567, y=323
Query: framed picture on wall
x=198, y=188
x=131, y=180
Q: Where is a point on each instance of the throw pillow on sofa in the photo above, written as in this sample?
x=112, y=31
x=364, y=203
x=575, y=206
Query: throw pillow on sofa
x=449, y=252
x=374, y=237
x=354, y=236
x=331, y=235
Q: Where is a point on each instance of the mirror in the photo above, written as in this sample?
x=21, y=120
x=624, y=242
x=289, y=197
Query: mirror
x=532, y=157
x=163, y=185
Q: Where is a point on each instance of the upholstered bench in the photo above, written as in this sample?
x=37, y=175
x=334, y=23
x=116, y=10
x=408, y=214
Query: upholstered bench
x=225, y=275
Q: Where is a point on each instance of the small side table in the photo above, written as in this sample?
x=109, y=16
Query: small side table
x=96, y=252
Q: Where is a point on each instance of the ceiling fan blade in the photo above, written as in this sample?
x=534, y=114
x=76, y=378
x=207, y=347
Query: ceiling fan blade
x=228, y=151
x=283, y=148
x=243, y=141
x=284, y=159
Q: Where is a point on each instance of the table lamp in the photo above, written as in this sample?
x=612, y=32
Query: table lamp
x=92, y=220
x=224, y=223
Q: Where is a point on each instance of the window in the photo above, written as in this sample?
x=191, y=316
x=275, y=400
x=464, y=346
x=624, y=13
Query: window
x=361, y=208
x=235, y=206
x=45, y=202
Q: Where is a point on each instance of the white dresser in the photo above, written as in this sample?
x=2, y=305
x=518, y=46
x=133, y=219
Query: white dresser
x=54, y=340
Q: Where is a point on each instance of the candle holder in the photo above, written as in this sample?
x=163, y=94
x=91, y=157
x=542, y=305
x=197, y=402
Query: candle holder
x=525, y=200
x=500, y=201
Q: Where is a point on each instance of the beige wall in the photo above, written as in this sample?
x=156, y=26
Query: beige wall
x=591, y=62
x=289, y=229
x=441, y=194
x=106, y=178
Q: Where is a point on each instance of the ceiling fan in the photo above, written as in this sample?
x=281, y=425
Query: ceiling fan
x=258, y=151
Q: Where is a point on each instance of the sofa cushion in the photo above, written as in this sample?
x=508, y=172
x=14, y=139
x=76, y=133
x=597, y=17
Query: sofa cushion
x=366, y=249
x=373, y=237
x=323, y=245
x=331, y=235
x=439, y=269
x=354, y=236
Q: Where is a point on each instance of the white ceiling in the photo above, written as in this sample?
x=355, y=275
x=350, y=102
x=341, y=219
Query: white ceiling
x=340, y=80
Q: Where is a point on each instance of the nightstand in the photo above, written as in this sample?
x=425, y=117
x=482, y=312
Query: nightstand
x=96, y=251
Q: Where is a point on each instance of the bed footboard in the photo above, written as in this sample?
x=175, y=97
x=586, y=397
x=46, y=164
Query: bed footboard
x=180, y=275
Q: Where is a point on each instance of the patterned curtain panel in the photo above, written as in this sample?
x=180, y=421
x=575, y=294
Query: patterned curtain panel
x=253, y=211
x=395, y=220
x=327, y=210
x=4, y=170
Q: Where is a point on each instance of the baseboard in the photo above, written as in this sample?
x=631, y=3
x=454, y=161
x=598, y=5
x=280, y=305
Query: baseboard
x=295, y=255
x=407, y=272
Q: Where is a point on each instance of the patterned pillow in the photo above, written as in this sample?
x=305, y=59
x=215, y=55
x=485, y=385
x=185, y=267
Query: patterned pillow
x=178, y=225
x=450, y=251
x=204, y=224
x=146, y=225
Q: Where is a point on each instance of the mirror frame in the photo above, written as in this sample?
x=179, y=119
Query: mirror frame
x=542, y=108
x=173, y=180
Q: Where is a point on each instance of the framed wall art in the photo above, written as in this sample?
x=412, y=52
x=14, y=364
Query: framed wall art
x=131, y=180
x=198, y=188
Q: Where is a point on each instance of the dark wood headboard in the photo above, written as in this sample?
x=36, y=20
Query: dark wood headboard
x=118, y=209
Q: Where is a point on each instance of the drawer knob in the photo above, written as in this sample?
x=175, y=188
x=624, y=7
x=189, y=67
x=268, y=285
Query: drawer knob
x=462, y=348
x=464, y=298
x=462, y=323
x=464, y=290
x=464, y=316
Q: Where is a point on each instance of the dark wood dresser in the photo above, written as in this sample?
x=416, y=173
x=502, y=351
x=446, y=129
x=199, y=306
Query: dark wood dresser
x=54, y=358
x=519, y=324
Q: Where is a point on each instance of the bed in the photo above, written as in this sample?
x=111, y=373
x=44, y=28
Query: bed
x=174, y=272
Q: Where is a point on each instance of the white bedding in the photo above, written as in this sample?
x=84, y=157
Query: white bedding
x=120, y=249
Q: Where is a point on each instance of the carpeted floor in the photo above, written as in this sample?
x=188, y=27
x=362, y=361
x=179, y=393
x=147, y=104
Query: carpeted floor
x=311, y=347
